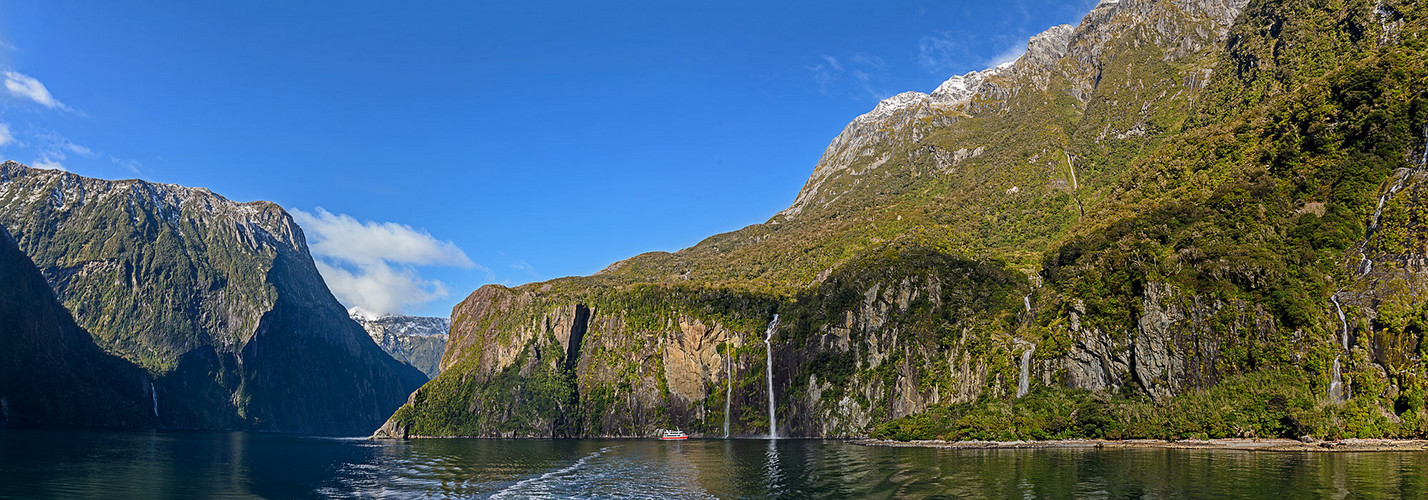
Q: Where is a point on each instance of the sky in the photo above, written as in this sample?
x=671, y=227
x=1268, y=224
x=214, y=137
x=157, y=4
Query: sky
x=429, y=148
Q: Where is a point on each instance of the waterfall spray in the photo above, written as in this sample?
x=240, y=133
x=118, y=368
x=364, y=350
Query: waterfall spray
x=1024, y=385
x=768, y=375
x=155, y=393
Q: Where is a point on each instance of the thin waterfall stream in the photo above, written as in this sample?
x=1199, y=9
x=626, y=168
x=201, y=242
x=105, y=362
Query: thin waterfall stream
x=1336, y=383
x=1336, y=386
x=155, y=393
x=768, y=375
x=729, y=392
x=1343, y=322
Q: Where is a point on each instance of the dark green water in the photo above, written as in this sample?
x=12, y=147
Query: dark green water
x=82, y=464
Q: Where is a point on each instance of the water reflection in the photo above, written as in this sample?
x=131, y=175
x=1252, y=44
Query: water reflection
x=242, y=465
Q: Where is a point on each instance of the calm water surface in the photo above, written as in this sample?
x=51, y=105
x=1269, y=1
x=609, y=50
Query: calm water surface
x=84, y=464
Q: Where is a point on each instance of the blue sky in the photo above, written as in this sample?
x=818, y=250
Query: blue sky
x=429, y=149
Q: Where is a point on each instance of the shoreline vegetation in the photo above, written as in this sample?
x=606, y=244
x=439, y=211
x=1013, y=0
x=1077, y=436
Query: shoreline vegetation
x=1228, y=444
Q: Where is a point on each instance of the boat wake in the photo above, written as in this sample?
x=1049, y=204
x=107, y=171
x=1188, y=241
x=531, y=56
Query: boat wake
x=605, y=475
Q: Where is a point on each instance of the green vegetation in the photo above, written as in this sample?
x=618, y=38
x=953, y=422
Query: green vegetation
x=1224, y=191
x=1266, y=404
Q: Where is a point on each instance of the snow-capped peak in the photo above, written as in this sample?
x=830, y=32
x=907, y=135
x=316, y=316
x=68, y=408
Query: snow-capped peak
x=363, y=314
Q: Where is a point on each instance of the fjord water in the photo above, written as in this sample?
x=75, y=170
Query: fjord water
x=85, y=464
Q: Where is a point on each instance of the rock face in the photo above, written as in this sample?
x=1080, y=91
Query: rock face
x=1135, y=202
x=219, y=301
x=51, y=373
x=414, y=340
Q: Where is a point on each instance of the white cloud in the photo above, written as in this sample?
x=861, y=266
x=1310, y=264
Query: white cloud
x=379, y=288
x=345, y=238
x=26, y=86
x=6, y=137
x=371, y=265
x=48, y=164
x=1011, y=54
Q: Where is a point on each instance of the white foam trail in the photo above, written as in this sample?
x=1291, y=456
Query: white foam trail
x=768, y=356
x=512, y=491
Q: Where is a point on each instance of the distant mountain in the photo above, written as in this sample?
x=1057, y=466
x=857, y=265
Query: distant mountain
x=414, y=340
x=51, y=373
x=1178, y=218
x=219, y=300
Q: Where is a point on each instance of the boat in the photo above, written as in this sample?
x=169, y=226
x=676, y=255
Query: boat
x=673, y=436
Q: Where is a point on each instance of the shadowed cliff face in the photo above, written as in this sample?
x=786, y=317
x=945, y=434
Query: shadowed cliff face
x=1156, y=204
x=51, y=373
x=220, y=301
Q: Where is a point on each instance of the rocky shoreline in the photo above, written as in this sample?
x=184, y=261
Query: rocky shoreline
x=1275, y=445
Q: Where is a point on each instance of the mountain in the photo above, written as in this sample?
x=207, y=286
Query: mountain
x=51, y=373
x=219, y=301
x=1179, y=218
x=414, y=340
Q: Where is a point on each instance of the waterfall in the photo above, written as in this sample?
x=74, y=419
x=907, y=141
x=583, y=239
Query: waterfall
x=1343, y=323
x=1336, y=387
x=768, y=375
x=728, y=393
x=1024, y=385
x=1382, y=199
x=1423, y=161
x=1026, y=299
x=155, y=393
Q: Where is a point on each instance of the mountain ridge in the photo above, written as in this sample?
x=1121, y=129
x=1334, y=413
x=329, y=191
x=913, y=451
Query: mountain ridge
x=220, y=301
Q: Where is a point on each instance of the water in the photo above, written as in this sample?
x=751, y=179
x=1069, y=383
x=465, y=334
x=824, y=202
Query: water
x=82, y=464
x=155, y=393
x=768, y=375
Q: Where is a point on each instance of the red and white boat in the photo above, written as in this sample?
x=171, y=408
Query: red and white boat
x=673, y=436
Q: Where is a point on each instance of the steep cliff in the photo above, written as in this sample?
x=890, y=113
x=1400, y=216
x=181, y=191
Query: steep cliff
x=51, y=373
x=219, y=301
x=1134, y=230
x=413, y=340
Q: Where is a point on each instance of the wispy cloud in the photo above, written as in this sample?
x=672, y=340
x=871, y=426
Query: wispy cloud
x=856, y=75
x=943, y=54
x=131, y=165
x=6, y=137
x=372, y=265
x=27, y=87
x=525, y=267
